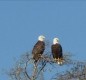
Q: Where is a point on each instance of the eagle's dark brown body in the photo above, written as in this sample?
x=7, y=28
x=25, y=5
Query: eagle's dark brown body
x=38, y=50
x=57, y=51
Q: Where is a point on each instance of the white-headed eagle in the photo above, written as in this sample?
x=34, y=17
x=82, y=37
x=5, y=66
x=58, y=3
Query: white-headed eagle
x=38, y=48
x=56, y=49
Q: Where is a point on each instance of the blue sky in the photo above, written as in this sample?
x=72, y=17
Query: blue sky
x=21, y=22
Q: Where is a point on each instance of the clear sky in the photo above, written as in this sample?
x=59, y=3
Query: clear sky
x=21, y=22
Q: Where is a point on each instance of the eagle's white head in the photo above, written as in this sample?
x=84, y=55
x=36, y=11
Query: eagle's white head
x=41, y=38
x=55, y=40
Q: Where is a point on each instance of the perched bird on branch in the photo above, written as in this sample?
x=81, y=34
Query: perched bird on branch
x=56, y=49
x=38, y=48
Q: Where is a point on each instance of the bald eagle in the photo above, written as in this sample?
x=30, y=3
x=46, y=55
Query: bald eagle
x=57, y=51
x=38, y=48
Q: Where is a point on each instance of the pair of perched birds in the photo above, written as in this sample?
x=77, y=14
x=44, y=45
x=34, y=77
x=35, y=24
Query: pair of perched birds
x=56, y=49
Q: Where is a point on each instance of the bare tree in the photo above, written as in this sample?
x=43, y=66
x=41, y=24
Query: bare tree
x=25, y=69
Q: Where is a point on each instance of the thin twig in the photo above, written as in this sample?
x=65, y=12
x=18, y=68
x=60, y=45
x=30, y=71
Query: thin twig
x=26, y=71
